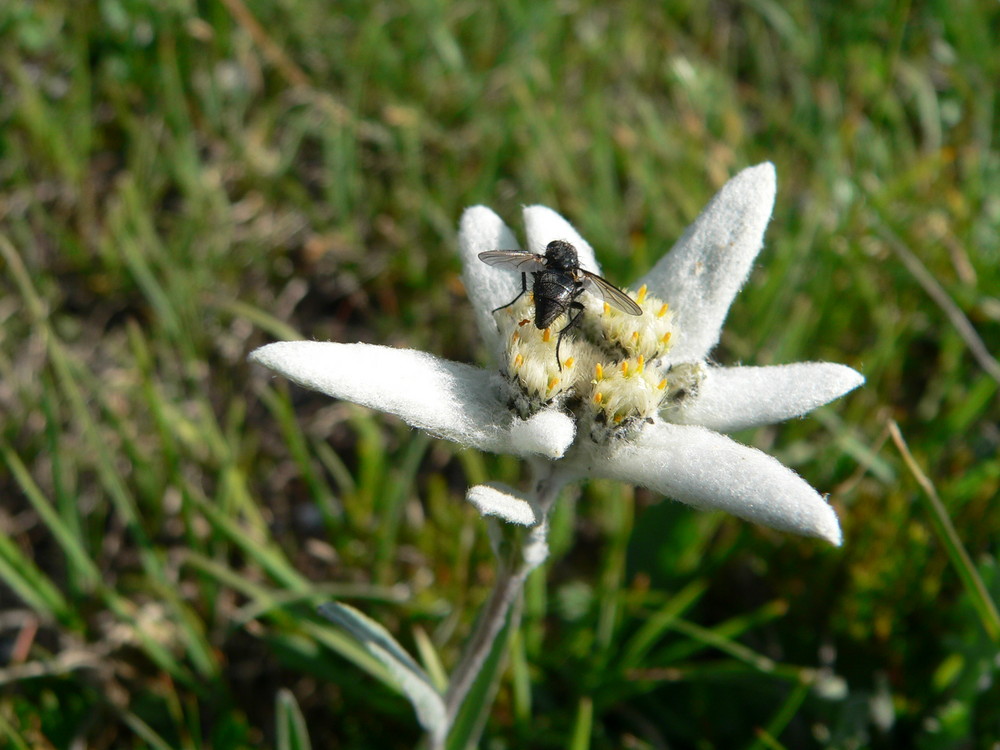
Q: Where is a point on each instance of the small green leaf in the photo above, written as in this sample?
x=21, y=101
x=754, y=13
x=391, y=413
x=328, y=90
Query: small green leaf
x=410, y=678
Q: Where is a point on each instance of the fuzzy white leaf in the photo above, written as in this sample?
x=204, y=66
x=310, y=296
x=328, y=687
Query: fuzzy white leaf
x=495, y=499
x=548, y=433
x=410, y=678
x=707, y=266
x=710, y=471
x=734, y=398
x=488, y=288
x=448, y=399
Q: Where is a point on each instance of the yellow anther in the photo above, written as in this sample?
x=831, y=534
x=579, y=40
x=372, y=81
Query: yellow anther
x=642, y=364
x=625, y=367
x=518, y=361
x=619, y=418
x=663, y=310
x=662, y=384
x=599, y=371
x=569, y=362
x=598, y=397
x=607, y=308
x=641, y=295
x=547, y=335
x=665, y=338
x=553, y=382
x=635, y=336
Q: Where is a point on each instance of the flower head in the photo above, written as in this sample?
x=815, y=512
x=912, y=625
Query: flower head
x=629, y=397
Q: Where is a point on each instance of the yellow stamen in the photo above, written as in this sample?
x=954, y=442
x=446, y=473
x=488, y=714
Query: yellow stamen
x=547, y=335
x=607, y=308
x=553, y=382
x=598, y=397
x=635, y=336
x=642, y=364
x=663, y=310
x=619, y=418
x=666, y=338
x=662, y=384
x=569, y=362
x=599, y=371
x=641, y=295
x=518, y=361
x=625, y=367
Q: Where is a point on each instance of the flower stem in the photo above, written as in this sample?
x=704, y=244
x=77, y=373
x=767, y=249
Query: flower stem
x=506, y=588
x=519, y=551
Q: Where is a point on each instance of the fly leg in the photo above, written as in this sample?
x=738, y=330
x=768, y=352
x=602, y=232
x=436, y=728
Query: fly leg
x=573, y=306
x=524, y=288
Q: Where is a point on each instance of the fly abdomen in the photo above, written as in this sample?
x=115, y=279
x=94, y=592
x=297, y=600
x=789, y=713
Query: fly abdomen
x=553, y=294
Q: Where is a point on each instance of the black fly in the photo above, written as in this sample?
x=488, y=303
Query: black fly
x=558, y=281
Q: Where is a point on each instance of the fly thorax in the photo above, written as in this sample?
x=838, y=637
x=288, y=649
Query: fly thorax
x=561, y=256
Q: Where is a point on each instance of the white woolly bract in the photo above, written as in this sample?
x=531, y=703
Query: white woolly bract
x=495, y=499
x=448, y=399
x=707, y=266
x=479, y=230
x=734, y=398
x=710, y=471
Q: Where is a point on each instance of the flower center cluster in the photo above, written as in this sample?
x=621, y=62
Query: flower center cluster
x=609, y=372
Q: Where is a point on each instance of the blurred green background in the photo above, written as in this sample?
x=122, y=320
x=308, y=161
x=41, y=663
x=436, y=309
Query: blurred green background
x=182, y=181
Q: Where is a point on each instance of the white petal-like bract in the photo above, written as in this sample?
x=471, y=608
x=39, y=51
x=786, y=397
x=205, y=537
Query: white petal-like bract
x=734, y=398
x=707, y=266
x=495, y=499
x=710, y=471
x=448, y=399
x=480, y=230
x=548, y=433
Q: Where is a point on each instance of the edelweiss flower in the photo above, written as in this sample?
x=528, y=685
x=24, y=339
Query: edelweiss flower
x=631, y=397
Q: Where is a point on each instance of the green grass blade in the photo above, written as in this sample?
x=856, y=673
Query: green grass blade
x=293, y=734
x=31, y=585
x=946, y=534
x=68, y=539
x=583, y=725
x=660, y=623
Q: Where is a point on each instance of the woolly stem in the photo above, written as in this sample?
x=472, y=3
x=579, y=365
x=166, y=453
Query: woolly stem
x=519, y=551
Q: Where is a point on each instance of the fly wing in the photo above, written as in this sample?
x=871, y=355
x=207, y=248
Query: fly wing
x=610, y=293
x=521, y=260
